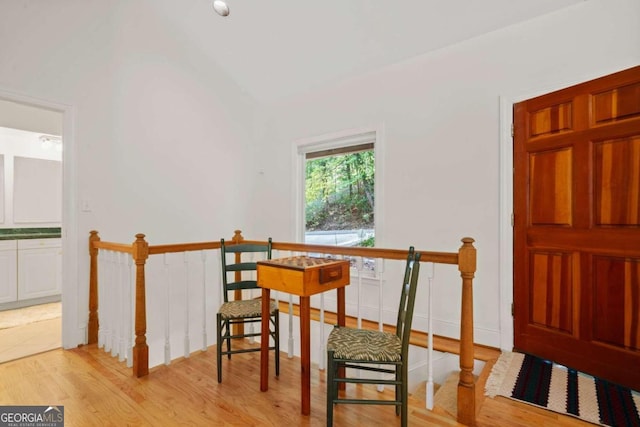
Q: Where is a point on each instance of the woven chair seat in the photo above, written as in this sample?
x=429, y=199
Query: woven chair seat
x=245, y=308
x=364, y=345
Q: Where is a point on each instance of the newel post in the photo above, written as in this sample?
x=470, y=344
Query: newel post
x=466, y=383
x=141, y=349
x=92, y=327
x=237, y=236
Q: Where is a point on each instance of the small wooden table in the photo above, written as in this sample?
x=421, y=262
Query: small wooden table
x=303, y=276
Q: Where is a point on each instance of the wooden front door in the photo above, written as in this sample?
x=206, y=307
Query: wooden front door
x=577, y=227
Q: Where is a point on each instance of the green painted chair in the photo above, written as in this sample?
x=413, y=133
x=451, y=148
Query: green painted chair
x=239, y=273
x=375, y=351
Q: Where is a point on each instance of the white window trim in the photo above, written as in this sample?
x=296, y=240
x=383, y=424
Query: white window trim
x=328, y=141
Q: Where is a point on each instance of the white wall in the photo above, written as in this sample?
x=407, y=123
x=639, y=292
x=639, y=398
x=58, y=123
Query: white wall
x=441, y=119
x=158, y=129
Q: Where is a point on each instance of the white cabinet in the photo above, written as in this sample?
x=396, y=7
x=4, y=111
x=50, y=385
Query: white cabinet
x=8, y=271
x=39, y=268
x=37, y=190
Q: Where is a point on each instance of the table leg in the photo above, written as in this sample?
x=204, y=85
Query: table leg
x=264, y=340
x=305, y=353
x=341, y=304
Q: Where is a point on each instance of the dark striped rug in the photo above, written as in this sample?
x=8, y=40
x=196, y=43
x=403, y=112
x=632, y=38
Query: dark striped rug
x=542, y=383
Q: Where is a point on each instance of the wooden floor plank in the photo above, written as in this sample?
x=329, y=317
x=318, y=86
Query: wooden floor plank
x=97, y=390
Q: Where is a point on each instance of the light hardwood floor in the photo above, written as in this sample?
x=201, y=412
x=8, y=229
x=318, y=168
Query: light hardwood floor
x=97, y=390
x=30, y=330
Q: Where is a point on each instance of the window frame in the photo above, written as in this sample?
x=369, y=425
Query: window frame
x=337, y=141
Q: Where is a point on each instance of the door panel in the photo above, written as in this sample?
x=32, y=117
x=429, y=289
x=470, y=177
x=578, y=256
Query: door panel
x=552, y=297
x=617, y=182
x=615, y=282
x=550, y=187
x=577, y=227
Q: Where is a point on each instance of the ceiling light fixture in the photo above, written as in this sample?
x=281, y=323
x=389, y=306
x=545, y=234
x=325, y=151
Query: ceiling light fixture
x=221, y=7
x=51, y=141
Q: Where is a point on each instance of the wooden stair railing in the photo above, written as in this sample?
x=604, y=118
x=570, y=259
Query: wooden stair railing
x=466, y=383
x=140, y=349
x=140, y=250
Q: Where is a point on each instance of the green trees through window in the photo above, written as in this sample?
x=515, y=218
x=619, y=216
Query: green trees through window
x=339, y=192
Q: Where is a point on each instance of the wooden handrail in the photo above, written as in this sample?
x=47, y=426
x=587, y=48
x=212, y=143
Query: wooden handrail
x=183, y=247
x=110, y=246
x=140, y=250
x=399, y=254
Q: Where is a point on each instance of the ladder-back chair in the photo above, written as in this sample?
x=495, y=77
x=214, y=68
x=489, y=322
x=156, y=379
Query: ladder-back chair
x=239, y=273
x=375, y=351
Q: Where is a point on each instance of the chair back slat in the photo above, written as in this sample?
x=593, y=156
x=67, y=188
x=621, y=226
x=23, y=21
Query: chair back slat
x=242, y=266
x=248, y=247
x=242, y=284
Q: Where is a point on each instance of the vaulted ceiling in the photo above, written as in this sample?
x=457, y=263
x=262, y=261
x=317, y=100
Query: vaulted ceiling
x=279, y=48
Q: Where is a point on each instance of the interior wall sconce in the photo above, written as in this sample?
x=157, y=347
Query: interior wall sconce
x=221, y=7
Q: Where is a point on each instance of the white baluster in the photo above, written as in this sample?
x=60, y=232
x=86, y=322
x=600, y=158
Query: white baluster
x=290, y=341
x=115, y=301
x=130, y=322
x=323, y=346
x=167, y=312
x=107, y=300
x=359, y=264
x=203, y=257
x=380, y=264
x=113, y=298
x=117, y=309
x=124, y=301
x=116, y=297
x=101, y=300
x=186, y=306
x=124, y=293
x=429, y=399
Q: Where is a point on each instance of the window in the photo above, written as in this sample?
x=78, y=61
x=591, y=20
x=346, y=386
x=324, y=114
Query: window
x=338, y=195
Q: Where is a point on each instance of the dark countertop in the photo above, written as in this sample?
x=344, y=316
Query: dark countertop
x=30, y=233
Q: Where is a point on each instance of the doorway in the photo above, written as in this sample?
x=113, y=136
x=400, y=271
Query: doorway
x=576, y=255
x=30, y=225
x=17, y=112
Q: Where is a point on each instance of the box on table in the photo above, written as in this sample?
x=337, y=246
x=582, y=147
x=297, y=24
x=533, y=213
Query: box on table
x=303, y=275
